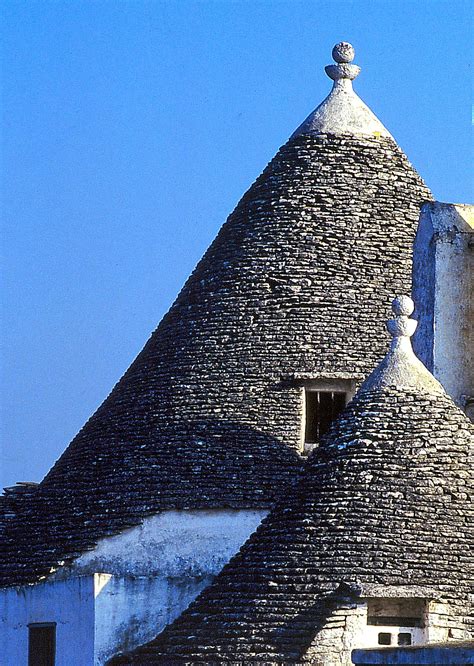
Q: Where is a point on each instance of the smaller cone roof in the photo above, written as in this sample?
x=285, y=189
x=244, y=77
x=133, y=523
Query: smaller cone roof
x=384, y=502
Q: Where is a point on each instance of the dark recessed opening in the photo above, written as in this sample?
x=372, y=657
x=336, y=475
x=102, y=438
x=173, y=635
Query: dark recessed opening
x=396, y=612
x=322, y=407
x=404, y=639
x=385, y=638
x=42, y=644
x=395, y=621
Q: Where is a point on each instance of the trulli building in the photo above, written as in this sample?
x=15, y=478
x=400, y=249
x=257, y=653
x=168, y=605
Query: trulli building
x=277, y=326
x=372, y=546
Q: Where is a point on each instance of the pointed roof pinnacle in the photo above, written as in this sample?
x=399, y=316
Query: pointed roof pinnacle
x=342, y=112
x=400, y=368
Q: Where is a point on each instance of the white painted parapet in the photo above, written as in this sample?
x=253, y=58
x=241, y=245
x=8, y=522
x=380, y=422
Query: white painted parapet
x=148, y=575
x=443, y=290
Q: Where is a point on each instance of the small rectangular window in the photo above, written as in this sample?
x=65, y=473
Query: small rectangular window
x=42, y=644
x=322, y=407
x=385, y=638
x=404, y=639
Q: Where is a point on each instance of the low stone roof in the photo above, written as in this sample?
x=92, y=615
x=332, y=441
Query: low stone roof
x=386, y=500
x=205, y=416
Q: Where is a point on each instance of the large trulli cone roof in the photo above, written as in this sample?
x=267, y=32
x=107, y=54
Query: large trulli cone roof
x=209, y=414
x=386, y=500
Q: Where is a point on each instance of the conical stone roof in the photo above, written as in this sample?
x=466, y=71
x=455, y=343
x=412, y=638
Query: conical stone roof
x=209, y=414
x=385, y=501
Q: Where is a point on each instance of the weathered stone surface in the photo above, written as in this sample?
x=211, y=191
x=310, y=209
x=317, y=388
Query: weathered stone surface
x=296, y=283
x=443, y=285
x=384, y=503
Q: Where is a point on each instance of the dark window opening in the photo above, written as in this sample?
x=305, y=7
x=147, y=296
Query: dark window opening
x=395, y=621
x=404, y=639
x=385, y=638
x=42, y=644
x=322, y=407
x=396, y=612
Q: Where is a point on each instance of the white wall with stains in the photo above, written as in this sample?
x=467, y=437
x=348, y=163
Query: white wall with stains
x=158, y=568
x=69, y=603
x=443, y=291
x=126, y=590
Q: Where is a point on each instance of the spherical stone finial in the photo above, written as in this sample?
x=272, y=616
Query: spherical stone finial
x=343, y=52
x=402, y=305
x=401, y=326
x=400, y=368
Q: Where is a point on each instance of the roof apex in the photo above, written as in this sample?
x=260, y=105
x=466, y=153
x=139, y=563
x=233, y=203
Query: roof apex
x=342, y=112
x=400, y=368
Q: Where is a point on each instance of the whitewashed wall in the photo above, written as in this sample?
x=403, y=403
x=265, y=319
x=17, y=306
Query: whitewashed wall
x=132, y=611
x=69, y=603
x=443, y=291
x=172, y=544
x=126, y=590
x=159, y=568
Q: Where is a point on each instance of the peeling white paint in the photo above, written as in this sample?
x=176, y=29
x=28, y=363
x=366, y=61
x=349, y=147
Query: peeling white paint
x=171, y=544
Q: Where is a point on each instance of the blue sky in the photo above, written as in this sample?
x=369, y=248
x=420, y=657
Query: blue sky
x=131, y=129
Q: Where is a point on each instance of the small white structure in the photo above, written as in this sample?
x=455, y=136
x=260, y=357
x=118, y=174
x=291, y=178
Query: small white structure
x=393, y=621
x=394, y=616
x=443, y=288
x=127, y=589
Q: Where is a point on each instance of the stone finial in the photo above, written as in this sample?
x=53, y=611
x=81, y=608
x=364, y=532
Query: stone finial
x=343, y=54
x=400, y=368
x=401, y=325
x=342, y=112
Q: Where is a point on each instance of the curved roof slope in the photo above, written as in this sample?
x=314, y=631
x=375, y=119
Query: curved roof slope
x=207, y=415
x=384, y=500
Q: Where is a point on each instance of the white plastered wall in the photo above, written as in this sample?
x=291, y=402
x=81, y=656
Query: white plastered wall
x=443, y=291
x=158, y=568
x=128, y=588
x=69, y=603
